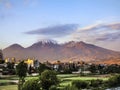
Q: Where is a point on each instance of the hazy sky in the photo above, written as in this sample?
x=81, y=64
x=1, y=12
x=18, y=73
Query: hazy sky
x=28, y=21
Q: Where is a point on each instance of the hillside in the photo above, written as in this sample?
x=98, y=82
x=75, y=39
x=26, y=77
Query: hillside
x=52, y=51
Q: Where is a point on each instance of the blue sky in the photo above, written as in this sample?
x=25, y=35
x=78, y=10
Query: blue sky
x=93, y=21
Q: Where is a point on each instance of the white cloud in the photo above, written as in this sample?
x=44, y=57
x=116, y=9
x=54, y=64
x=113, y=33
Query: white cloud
x=99, y=34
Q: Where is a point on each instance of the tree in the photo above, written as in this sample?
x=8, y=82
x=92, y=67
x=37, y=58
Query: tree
x=96, y=83
x=32, y=84
x=48, y=78
x=10, y=68
x=114, y=68
x=80, y=84
x=1, y=57
x=10, y=65
x=21, y=71
x=93, y=68
x=114, y=81
x=42, y=67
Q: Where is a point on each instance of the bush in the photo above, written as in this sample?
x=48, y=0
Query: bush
x=48, y=78
x=53, y=87
x=114, y=81
x=72, y=87
x=80, y=84
x=32, y=84
x=96, y=83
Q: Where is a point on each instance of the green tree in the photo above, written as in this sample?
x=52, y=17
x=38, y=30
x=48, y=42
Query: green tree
x=42, y=67
x=93, y=68
x=114, y=81
x=9, y=69
x=1, y=57
x=96, y=83
x=32, y=84
x=114, y=68
x=48, y=78
x=10, y=65
x=80, y=84
x=21, y=71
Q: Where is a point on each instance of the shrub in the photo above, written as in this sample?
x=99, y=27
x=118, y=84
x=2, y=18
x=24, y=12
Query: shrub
x=114, y=81
x=32, y=84
x=48, y=78
x=80, y=84
x=72, y=87
x=53, y=87
x=96, y=83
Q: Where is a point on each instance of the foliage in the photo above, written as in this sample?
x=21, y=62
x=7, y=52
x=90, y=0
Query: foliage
x=9, y=69
x=114, y=81
x=102, y=69
x=93, y=68
x=48, y=78
x=21, y=71
x=42, y=67
x=70, y=87
x=114, y=68
x=96, y=83
x=53, y=87
x=32, y=84
x=80, y=84
x=10, y=65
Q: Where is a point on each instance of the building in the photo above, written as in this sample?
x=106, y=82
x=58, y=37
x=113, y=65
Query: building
x=29, y=62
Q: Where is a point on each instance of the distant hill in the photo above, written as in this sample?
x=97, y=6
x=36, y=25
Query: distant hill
x=51, y=51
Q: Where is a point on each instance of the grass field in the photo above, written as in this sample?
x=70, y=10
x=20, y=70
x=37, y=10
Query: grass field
x=4, y=81
x=68, y=78
x=8, y=87
x=65, y=79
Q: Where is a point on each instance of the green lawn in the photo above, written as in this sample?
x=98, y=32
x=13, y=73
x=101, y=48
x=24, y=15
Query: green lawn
x=4, y=81
x=83, y=78
x=67, y=75
x=31, y=77
x=8, y=87
x=65, y=79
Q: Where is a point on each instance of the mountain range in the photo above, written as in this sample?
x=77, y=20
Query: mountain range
x=51, y=51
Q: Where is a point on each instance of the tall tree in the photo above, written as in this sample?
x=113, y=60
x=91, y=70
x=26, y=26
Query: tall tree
x=42, y=67
x=21, y=71
x=48, y=78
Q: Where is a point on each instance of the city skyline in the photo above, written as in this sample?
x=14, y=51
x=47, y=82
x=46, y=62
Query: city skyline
x=28, y=21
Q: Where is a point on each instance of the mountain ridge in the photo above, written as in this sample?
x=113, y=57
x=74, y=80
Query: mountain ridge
x=50, y=51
